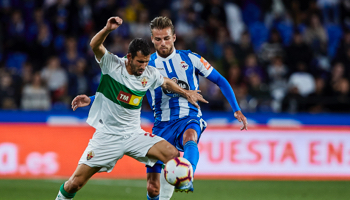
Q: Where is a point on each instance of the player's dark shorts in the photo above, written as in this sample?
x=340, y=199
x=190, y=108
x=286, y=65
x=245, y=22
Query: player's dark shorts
x=173, y=131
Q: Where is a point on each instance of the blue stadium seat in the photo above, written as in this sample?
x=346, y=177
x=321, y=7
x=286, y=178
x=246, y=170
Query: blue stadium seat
x=259, y=34
x=15, y=60
x=334, y=36
x=286, y=32
x=251, y=13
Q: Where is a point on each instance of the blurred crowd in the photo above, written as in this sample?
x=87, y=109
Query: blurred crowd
x=278, y=55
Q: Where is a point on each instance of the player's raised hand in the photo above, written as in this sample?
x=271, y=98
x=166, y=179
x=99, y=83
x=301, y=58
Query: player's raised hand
x=113, y=23
x=80, y=101
x=194, y=96
x=241, y=118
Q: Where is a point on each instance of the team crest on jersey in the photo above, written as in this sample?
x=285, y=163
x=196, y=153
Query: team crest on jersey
x=144, y=81
x=90, y=155
x=184, y=65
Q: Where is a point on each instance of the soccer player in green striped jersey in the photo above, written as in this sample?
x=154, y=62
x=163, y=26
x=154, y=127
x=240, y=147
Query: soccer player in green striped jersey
x=115, y=113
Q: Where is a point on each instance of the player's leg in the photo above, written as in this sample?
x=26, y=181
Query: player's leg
x=157, y=186
x=163, y=151
x=153, y=186
x=166, y=190
x=189, y=142
x=79, y=178
x=157, y=149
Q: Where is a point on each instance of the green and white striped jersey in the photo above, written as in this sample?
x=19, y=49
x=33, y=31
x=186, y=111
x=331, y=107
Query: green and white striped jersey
x=117, y=106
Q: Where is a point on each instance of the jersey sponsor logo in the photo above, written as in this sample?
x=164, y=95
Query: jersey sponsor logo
x=181, y=83
x=90, y=155
x=129, y=98
x=144, y=81
x=184, y=65
x=161, y=68
x=205, y=63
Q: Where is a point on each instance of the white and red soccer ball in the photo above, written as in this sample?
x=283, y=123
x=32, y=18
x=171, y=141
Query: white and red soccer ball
x=178, y=172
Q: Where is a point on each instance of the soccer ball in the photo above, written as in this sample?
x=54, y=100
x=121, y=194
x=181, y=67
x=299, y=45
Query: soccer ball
x=178, y=172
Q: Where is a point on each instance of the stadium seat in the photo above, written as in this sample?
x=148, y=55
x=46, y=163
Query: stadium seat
x=15, y=60
x=259, y=34
x=251, y=14
x=286, y=32
x=334, y=33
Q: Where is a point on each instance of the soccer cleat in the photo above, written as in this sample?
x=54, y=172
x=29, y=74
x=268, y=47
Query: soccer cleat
x=186, y=188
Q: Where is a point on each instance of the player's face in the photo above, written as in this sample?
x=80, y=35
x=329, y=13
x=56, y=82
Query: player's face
x=163, y=40
x=138, y=64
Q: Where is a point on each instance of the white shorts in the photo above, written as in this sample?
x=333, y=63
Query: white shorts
x=104, y=150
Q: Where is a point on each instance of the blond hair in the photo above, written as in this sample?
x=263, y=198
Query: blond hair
x=162, y=23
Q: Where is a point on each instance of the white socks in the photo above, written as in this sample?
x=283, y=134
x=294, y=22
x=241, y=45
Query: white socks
x=61, y=197
x=166, y=190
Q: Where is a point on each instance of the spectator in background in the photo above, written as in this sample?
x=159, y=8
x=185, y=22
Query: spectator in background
x=222, y=39
x=337, y=73
x=317, y=101
x=344, y=45
x=9, y=93
x=35, y=96
x=56, y=79
x=77, y=79
x=341, y=96
x=298, y=51
x=214, y=9
x=229, y=59
x=277, y=73
x=132, y=9
x=293, y=102
x=16, y=32
x=34, y=27
x=85, y=15
x=235, y=22
x=26, y=72
x=244, y=47
x=42, y=44
x=252, y=68
x=302, y=80
x=58, y=15
x=140, y=28
x=234, y=76
x=272, y=48
x=185, y=25
x=71, y=54
x=259, y=94
x=315, y=35
x=201, y=42
x=330, y=10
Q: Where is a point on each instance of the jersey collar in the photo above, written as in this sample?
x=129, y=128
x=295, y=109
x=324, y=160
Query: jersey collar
x=167, y=58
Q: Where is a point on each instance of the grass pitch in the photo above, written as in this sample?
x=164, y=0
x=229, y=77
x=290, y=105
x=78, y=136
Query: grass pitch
x=204, y=190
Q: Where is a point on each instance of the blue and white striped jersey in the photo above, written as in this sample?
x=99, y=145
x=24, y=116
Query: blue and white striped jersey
x=183, y=67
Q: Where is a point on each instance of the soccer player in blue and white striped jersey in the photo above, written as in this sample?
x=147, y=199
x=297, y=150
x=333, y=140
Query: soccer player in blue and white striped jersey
x=177, y=120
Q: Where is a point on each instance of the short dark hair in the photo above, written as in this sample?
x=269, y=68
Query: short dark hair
x=162, y=23
x=139, y=44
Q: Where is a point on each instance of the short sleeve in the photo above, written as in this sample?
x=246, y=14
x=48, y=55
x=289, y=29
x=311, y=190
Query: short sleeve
x=109, y=62
x=202, y=65
x=158, y=79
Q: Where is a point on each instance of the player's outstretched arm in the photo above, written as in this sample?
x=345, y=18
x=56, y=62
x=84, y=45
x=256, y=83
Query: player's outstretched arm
x=81, y=101
x=227, y=91
x=192, y=96
x=97, y=41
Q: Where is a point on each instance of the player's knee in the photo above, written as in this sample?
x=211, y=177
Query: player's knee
x=190, y=135
x=153, y=188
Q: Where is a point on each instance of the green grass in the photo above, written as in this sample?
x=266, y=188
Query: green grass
x=204, y=190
